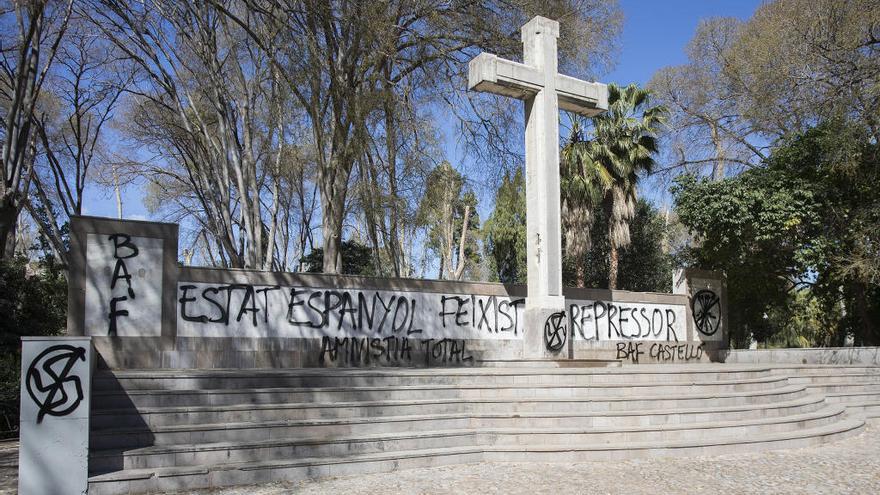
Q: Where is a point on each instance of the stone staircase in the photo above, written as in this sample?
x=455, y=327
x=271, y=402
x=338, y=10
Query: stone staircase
x=855, y=387
x=173, y=429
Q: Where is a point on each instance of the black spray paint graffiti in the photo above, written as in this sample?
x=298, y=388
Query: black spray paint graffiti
x=392, y=350
x=659, y=352
x=41, y=377
x=706, y=307
x=555, y=332
x=621, y=322
x=496, y=316
x=370, y=312
x=362, y=315
x=220, y=298
x=123, y=249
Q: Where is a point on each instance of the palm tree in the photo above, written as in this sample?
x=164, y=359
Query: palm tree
x=584, y=183
x=603, y=171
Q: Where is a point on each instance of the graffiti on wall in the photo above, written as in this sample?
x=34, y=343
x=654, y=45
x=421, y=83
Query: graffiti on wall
x=706, y=308
x=393, y=351
x=659, y=352
x=601, y=320
x=241, y=310
x=123, y=285
x=123, y=249
x=555, y=332
x=49, y=381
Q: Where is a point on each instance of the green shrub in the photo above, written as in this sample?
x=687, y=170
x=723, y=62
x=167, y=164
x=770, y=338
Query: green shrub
x=33, y=301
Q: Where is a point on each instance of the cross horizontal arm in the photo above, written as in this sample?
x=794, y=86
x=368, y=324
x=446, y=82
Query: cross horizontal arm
x=581, y=97
x=490, y=74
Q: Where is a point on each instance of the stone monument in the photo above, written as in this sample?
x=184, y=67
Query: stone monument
x=543, y=91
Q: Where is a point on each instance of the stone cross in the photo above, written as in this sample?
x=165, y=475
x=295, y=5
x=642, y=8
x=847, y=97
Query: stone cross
x=543, y=92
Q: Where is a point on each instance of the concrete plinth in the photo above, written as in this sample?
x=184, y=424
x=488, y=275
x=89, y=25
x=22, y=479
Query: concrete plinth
x=549, y=312
x=56, y=377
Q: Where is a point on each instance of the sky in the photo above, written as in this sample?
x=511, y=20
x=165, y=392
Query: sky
x=654, y=35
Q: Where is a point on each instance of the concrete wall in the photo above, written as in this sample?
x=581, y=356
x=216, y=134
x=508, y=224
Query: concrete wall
x=144, y=310
x=868, y=356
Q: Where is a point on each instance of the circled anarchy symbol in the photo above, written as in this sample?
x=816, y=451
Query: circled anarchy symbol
x=43, y=378
x=706, y=308
x=555, y=332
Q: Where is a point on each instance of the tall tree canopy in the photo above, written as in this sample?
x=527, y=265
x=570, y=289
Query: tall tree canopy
x=807, y=219
x=504, y=233
x=31, y=34
x=644, y=265
x=448, y=214
x=747, y=84
x=363, y=73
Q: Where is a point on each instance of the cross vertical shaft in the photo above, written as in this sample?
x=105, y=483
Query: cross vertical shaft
x=543, y=249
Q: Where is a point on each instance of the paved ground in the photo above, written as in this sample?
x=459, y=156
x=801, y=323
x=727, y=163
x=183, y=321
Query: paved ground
x=8, y=466
x=848, y=466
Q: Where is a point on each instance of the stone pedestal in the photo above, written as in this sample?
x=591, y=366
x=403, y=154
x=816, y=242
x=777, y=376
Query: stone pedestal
x=707, y=295
x=546, y=329
x=56, y=377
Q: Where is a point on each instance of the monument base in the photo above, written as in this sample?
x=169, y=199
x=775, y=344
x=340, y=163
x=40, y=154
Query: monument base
x=546, y=334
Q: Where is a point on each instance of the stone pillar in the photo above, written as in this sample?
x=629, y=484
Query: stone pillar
x=122, y=289
x=56, y=383
x=543, y=91
x=707, y=307
x=122, y=276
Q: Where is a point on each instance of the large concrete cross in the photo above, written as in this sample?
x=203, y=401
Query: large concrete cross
x=544, y=92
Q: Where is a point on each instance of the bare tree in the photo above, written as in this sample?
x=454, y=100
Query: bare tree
x=346, y=62
x=706, y=126
x=27, y=51
x=83, y=88
x=749, y=83
x=212, y=109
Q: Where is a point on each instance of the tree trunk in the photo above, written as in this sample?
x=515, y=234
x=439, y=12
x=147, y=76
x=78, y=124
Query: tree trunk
x=580, y=273
x=118, y=193
x=331, y=231
x=8, y=219
x=867, y=332
x=371, y=209
x=718, y=165
x=332, y=215
x=612, y=267
x=391, y=149
x=462, y=259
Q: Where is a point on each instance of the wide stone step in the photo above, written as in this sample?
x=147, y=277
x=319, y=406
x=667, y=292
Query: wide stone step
x=161, y=416
x=340, y=445
x=849, y=397
x=820, y=379
x=846, y=387
x=167, y=479
x=818, y=369
x=173, y=398
x=864, y=408
x=548, y=363
x=211, y=433
x=131, y=380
